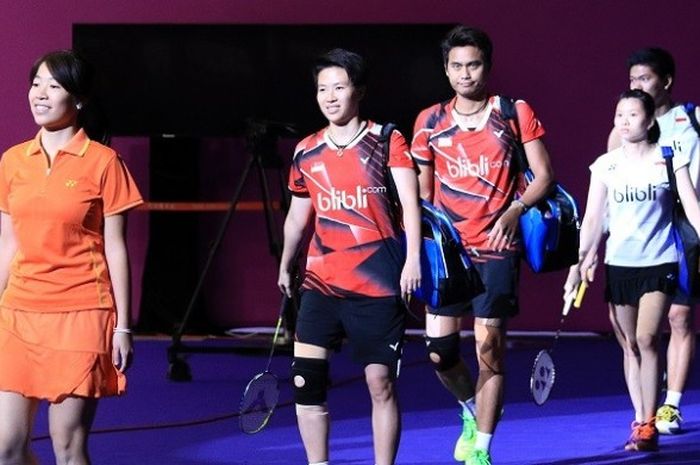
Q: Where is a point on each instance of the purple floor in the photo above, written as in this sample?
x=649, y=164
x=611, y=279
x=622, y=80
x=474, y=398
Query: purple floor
x=586, y=420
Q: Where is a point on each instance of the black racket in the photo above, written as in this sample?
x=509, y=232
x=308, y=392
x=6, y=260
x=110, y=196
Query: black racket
x=544, y=372
x=262, y=392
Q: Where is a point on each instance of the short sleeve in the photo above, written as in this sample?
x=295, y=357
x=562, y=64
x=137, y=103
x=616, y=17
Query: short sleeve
x=530, y=127
x=297, y=183
x=679, y=161
x=420, y=146
x=4, y=185
x=119, y=191
x=399, y=153
x=601, y=167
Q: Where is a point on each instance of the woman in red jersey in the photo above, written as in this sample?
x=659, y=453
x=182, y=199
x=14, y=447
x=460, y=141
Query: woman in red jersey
x=357, y=273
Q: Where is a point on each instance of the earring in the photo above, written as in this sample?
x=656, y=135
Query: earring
x=79, y=106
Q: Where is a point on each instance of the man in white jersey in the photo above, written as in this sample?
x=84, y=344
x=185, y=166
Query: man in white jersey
x=653, y=71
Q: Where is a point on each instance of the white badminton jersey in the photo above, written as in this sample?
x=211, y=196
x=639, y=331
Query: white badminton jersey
x=678, y=132
x=639, y=206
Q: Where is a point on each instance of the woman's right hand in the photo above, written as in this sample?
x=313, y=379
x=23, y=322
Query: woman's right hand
x=284, y=282
x=573, y=279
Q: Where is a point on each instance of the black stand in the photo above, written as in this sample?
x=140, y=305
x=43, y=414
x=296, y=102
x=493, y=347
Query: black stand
x=261, y=140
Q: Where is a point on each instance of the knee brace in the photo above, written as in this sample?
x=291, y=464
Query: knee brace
x=310, y=380
x=447, y=350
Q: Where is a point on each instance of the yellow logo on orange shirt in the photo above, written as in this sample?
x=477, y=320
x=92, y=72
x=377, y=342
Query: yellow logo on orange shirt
x=71, y=183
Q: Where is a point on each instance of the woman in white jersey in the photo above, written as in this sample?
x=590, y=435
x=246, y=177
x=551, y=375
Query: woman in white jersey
x=631, y=183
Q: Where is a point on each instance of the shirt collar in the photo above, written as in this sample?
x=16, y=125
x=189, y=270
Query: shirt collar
x=76, y=146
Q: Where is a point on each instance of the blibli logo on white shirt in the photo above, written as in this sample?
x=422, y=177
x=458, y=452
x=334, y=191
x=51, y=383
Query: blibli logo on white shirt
x=635, y=194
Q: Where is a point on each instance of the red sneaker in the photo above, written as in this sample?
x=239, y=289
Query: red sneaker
x=645, y=437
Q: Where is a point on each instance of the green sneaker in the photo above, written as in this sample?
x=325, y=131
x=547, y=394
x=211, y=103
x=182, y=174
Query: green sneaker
x=478, y=457
x=465, y=444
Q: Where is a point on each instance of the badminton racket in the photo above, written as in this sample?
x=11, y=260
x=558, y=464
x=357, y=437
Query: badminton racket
x=544, y=372
x=262, y=392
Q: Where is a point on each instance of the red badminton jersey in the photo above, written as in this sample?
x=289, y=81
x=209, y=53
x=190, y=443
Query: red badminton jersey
x=355, y=250
x=474, y=181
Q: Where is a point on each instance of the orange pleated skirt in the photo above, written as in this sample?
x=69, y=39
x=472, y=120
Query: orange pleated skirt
x=51, y=356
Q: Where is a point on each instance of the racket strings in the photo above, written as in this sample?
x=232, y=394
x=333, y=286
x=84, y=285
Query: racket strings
x=259, y=401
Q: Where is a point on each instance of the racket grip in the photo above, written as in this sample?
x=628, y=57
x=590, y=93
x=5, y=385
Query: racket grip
x=581, y=292
x=568, y=301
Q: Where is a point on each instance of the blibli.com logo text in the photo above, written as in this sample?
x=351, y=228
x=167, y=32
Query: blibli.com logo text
x=339, y=200
x=635, y=194
x=480, y=168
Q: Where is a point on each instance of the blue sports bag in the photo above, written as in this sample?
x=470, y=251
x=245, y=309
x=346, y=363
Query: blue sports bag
x=447, y=274
x=684, y=236
x=550, y=229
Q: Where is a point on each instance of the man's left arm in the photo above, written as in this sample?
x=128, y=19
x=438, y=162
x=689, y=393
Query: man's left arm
x=506, y=227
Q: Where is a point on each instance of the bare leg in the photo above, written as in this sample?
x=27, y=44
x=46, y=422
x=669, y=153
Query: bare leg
x=16, y=418
x=313, y=420
x=386, y=419
x=624, y=322
x=457, y=379
x=69, y=424
x=681, y=347
x=490, y=348
x=652, y=307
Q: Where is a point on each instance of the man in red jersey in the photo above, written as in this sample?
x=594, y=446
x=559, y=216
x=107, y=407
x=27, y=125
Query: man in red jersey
x=464, y=148
x=357, y=273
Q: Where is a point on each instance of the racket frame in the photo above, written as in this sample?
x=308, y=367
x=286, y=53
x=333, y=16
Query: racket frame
x=271, y=409
x=574, y=299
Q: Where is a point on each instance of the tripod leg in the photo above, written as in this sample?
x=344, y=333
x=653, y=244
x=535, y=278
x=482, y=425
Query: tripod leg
x=176, y=363
x=289, y=312
x=271, y=226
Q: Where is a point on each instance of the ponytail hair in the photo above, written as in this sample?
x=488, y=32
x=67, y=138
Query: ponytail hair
x=654, y=133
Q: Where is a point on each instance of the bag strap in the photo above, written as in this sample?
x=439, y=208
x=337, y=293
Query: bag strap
x=667, y=153
x=689, y=108
x=392, y=193
x=510, y=114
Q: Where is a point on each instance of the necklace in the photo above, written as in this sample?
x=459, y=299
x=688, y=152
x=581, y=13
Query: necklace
x=471, y=113
x=341, y=147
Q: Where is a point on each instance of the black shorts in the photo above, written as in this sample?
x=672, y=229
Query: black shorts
x=374, y=326
x=625, y=285
x=500, y=299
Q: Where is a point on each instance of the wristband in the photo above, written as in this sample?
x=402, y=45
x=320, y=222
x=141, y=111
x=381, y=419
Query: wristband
x=122, y=330
x=522, y=204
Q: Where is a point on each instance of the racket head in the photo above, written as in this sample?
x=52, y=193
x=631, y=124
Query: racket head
x=542, y=377
x=258, y=402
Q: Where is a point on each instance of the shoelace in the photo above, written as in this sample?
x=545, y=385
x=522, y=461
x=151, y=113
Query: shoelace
x=646, y=431
x=481, y=458
x=669, y=414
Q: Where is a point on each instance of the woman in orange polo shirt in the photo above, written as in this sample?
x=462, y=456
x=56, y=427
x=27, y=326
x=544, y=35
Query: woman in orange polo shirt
x=64, y=274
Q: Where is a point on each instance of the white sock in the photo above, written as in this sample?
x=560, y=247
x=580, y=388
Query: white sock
x=673, y=398
x=468, y=407
x=483, y=441
x=319, y=463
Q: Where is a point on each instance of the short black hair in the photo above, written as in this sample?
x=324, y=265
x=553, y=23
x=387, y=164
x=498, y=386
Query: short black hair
x=649, y=111
x=71, y=70
x=462, y=36
x=659, y=60
x=351, y=62
x=77, y=76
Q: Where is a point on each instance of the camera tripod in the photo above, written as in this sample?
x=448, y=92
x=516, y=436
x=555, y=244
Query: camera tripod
x=261, y=142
